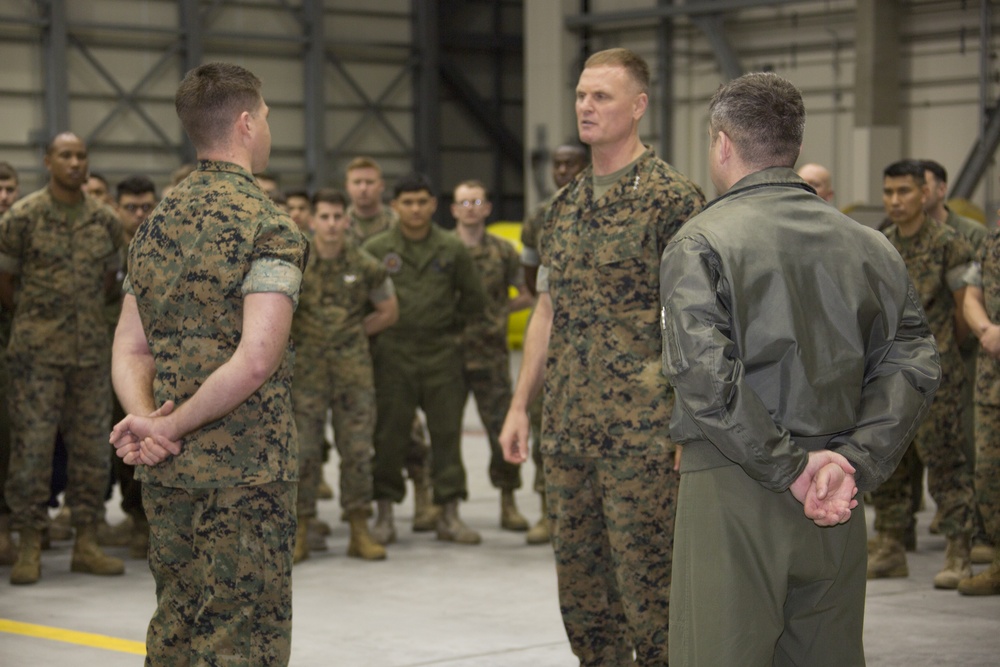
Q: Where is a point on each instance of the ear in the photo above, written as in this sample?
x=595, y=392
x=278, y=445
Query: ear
x=488, y=208
x=434, y=205
x=640, y=105
x=244, y=125
x=725, y=147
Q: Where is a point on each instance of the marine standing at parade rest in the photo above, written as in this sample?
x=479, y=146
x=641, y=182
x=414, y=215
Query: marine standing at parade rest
x=346, y=297
x=202, y=364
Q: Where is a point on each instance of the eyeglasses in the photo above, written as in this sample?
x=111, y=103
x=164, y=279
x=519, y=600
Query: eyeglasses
x=145, y=208
x=471, y=202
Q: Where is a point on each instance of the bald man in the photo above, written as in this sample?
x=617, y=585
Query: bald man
x=819, y=178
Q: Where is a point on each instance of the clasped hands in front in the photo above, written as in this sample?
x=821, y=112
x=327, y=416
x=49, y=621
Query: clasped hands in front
x=146, y=440
x=826, y=488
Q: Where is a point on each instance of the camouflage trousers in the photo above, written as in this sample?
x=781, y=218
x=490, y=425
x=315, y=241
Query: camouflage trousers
x=75, y=400
x=343, y=385
x=988, y=468
x=755, y=582
x=940, y=444
x=222, y=562
x=491, y=387
x=612, y=532
x=4, y=430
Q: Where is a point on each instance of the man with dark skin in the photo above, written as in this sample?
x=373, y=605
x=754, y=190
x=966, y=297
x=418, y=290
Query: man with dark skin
x=63, y=247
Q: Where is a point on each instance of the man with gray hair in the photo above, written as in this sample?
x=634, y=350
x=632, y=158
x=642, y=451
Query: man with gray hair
x=802, y=364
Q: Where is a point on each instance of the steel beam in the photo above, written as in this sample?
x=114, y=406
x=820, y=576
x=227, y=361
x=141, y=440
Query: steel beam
x=315, y=99
x=665, y=83
x=55, y=41
x=713, y=25
x=427, y=91
x=979, y=157
x=691, y=9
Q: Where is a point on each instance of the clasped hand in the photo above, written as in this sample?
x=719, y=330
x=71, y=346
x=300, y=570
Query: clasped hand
x=826, y=488
x=140, y=440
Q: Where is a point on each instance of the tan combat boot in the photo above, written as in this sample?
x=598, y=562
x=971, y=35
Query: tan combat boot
x=384, y=532
x=8, y=552
x=362, y=544
x=88, y=556
x=510, y=517
x=889, y=557
x=986, y=582
x=957, y=563
x=119, y=535
x=981, y=553
x=28, y=567
x=425, y=512
x=540, y=533
x=301, y=541
x=450, y=528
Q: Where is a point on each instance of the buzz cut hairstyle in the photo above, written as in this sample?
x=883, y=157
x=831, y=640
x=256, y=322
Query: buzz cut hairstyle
x=936, y=168
x=414, y=182
x=635, y=66
x=99, y=176
x=52, y=143
x=763, y=115
x=7, y=172
x=211, y=97
x=363, y=162
x=474, y=183
x=136, y=184
x=328, y=196
x=903, y=168
x=297, y=192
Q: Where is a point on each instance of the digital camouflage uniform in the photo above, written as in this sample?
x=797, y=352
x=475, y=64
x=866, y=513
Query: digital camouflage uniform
x=606, y=445
x=936, y=258
x=484, y=347
x=59, y=351
x=222, y=512
x=418, y=361
x=988, y=394
x=529, y=257
x=333, y=370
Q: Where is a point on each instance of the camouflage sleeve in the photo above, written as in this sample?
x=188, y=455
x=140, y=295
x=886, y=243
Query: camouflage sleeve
x=382, y=292
x=513, y=270
x=960, y=256
x=973, y=276
x=127, y=286
x=12, y=234
x=113, y=224
x=273, y=275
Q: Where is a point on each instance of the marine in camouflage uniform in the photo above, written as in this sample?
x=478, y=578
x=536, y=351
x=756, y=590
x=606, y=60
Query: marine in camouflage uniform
x=214, y=276
x=63, y=248
x=484, y=339
x=333, y=371
x=982, y=309
x=363, y=229
x=594, y=341
x=936, y=259
x=222, y=512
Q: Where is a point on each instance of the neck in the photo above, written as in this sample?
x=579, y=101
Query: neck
x=368, y=212
x=471, y=234
x=415, y=234
x=328, y=249
x=609, y=159
x=910, y=227
x=65, y=195
x=227, y=154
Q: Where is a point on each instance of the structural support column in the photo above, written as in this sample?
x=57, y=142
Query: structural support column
x=877, y=133
x=315, y=100
x=56, y=40
x=189, y=16
x=427, y=92
x=664, y=100
x=550, y=74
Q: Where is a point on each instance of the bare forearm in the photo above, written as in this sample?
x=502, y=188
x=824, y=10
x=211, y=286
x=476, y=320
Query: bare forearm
x=132, y=377
x=974, y=311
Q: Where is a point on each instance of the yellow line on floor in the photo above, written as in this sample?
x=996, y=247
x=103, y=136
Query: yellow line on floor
x=72, y=637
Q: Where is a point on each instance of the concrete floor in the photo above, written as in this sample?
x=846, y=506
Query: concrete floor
x=432, y=604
